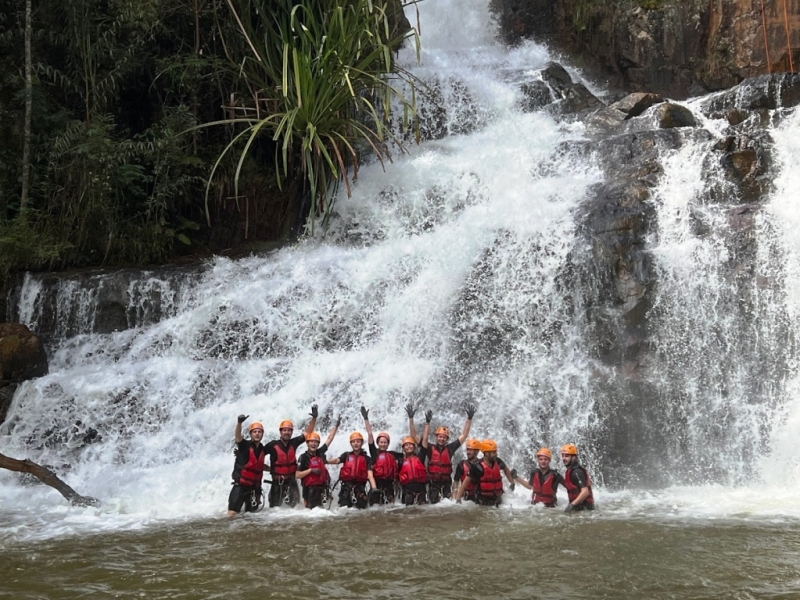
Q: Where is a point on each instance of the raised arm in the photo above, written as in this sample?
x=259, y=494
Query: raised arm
x=426, y=432
x=470, y=410
x=237, y=431
x=332, y=434
x=312, y=424
x=365, y=414
x=412, y=429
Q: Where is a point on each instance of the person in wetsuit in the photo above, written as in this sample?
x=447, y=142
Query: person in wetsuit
x=312, y=470
x=486, y=476
x=283, y=462
x=356, y=471
x=248, y=469
x=543, y=481
x=385, y=464
x=473, y=447
x=576, y=480
x=413, y=476
x=440, y=456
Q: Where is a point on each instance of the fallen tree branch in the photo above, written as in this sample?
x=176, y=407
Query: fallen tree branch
x=46, y=476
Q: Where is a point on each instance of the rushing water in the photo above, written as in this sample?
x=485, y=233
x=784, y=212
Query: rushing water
x=442, y=280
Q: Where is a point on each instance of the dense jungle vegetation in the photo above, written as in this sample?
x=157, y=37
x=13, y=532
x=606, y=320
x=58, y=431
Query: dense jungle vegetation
x=135, y=131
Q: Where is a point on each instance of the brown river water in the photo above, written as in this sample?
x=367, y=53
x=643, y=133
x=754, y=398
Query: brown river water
x=431, y=552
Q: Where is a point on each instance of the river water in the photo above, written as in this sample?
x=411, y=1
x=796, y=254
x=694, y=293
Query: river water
x=441, y=281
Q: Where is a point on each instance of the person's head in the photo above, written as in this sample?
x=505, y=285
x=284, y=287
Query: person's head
x=473, y=447
x=356, y=441
x=569, y=454
x=489, y=449
x=286, y=428
x=409, y=445
x=442, y=435
x=543, y=457
x=312, y=441
x=383, y=441
x=256, y=431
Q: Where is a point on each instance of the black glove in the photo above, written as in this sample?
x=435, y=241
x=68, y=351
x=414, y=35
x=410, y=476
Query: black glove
x=470, y=408
x=428, y=416
x=315, y=471
x=314, y=411
x=513, y=473
x=365, y=413
x=338, y=421
x=242, y=418
x=569, y=508
x=513, y=486
x=410, y=410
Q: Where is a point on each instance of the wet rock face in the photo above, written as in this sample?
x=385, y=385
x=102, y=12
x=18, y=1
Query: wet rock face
x=674, y=48
x=22, y=357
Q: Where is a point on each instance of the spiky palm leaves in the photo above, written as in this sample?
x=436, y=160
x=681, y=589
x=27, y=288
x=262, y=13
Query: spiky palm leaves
x=321, y=81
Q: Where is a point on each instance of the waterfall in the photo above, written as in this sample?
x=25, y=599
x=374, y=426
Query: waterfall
x=453, y=275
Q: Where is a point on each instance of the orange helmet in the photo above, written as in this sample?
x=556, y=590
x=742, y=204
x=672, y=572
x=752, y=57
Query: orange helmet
x=356, y=436
x=383, y=434
x=489, y=446
x=286, y=425
x=409, y=440
x=443, y=430
x=312, y=436
x=473, y=444
x=544, y=452
x=256, y=425
x=569, y=449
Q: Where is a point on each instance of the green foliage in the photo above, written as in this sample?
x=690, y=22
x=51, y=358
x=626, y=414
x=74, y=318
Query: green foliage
x=321, y=80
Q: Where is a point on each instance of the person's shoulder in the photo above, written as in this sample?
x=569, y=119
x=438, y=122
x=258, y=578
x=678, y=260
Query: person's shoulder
x=298, y=440
x=454, y=445
x=501, y=462
x=322, y=449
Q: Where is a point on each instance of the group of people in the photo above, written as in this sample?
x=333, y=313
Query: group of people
x=420, y=473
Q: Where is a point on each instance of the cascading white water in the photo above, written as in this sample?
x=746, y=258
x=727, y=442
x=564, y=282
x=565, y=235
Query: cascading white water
x=443, y=280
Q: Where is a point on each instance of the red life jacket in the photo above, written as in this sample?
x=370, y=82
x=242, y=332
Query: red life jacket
x=573, y=490
x=251, y=473
x=354, y=468
x=385, y=466
x=285, y=464
x=413, y=471
x=316, y=462
x=440, y=467
x=544, y=492
x=490, y=483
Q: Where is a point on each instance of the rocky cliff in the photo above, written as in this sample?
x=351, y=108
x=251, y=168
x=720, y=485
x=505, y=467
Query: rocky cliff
x=664, y=46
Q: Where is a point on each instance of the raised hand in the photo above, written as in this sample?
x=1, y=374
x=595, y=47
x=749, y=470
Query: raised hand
x=410, y=410
x=365, y=413
x=569, y=508
x=338, y=421
x=242, y=418
x=470, y=409
x=314, y=411
x=428, y=416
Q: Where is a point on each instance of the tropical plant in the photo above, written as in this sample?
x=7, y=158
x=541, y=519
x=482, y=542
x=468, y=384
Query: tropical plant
x=321, y=81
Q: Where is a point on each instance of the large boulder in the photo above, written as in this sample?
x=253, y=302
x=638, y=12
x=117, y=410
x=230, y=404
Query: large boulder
x=22, y=357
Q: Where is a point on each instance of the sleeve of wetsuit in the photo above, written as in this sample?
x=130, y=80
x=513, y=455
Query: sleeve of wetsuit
x=398, y=456
x=453, y=446
x=343, y=457
x=369, y=463
x=558, y=479
x=242, y=446
x=302, y=463
x=501, y=463
x=322, y=449
x=475, y=472
x=297, y=441
x=373, y=450
x=579, y=478
x=459, y=471
x=423, y=453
